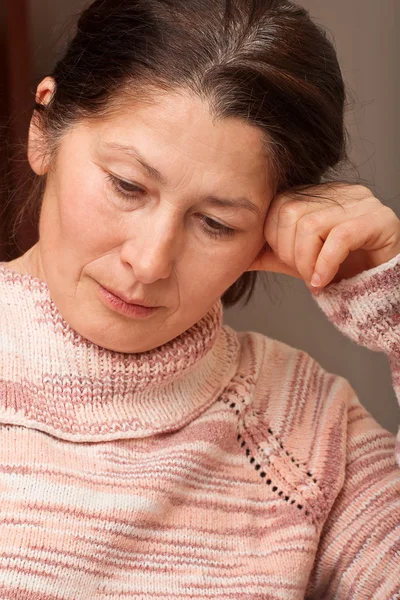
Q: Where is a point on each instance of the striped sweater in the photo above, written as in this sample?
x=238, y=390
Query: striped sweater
x=220, y=465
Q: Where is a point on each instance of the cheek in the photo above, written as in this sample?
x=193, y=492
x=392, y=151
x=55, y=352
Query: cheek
x=210, y=276
x=85, y=220
x=241, y=258
x=238, y=259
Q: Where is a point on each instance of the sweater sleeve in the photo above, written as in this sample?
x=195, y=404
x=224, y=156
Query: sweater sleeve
x=358, y=554
x=366, y=308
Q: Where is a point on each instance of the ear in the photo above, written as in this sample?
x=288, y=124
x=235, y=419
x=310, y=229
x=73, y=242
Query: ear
x=37, y=143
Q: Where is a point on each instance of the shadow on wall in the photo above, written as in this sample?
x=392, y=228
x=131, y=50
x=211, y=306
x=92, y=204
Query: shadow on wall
x=16, y=77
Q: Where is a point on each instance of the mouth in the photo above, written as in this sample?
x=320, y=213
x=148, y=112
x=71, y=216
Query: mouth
x=134, y=301
x=130, y=309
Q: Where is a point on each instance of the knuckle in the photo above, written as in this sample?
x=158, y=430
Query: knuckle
x=344, y=232
x=389, y=212
x=310, y=222
x=326, y=258
x=301, y=252
x=361, y=190
x=356, y=192
x=290, y=209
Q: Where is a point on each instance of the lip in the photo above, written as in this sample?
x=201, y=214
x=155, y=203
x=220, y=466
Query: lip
x=135, y=311
x=134, y=301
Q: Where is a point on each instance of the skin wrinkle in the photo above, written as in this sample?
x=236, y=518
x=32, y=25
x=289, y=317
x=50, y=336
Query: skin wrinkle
x=151, y=246
x=155, y=174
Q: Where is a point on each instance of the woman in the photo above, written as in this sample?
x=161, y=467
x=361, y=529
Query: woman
x=147, y=450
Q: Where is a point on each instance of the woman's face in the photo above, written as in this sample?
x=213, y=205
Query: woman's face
x=168, y=233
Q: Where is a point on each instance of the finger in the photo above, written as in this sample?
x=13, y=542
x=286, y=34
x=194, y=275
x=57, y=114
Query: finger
x=311, y=233
x=313, y=230
x=271, y=225
x=296, y=229
x=280, y=230
x=346, y=237
x=307, y=249
x=320, y=198
x=289, y=216
x=294, y=224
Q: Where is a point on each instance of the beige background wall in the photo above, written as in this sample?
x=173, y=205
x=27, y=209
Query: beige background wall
x=366, y=36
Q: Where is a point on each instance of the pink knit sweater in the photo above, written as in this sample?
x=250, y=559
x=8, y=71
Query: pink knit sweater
x=220, y=465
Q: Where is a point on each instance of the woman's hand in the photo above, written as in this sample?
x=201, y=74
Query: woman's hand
x=333, y=240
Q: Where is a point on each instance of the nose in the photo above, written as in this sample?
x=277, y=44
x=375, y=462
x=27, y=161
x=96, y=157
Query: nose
x=151, y=253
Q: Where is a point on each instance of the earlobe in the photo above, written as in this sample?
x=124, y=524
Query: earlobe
x=37, y=147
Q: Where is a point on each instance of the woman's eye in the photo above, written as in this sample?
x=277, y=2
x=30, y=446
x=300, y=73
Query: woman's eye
x=124, y=188
x=215, y=229
x=212, y=228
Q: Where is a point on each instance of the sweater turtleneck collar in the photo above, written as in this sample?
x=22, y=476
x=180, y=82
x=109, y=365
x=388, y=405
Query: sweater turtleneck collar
x=54, y=380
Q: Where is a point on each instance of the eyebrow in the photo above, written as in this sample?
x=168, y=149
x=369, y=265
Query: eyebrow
x=240, y=202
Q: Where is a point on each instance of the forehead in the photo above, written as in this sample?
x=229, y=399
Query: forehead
x=179, y=136
x=184, y=121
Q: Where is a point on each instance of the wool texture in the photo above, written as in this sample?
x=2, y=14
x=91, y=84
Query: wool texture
x=221, y=464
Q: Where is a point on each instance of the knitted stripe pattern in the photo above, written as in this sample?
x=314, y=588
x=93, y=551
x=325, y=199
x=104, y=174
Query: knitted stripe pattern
x=63, y=384
x=368, y=312
x=224, y=465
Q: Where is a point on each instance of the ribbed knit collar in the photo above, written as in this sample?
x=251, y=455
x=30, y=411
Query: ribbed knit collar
x=55, y=380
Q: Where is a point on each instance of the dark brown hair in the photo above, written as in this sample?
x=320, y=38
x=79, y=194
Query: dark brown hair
x=263, y=61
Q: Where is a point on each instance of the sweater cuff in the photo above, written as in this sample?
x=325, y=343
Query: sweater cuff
x=366, y=307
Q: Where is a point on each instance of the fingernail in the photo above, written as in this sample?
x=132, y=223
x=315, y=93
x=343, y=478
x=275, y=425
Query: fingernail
x=316, y=280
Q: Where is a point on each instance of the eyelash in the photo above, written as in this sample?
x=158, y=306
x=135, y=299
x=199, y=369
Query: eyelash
x=134, y=191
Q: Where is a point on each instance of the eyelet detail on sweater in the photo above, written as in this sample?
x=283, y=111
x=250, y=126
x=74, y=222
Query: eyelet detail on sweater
x=287, y=453
x=292, y=459
x=263, y=474
x=238, y=397
x=237, y=392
